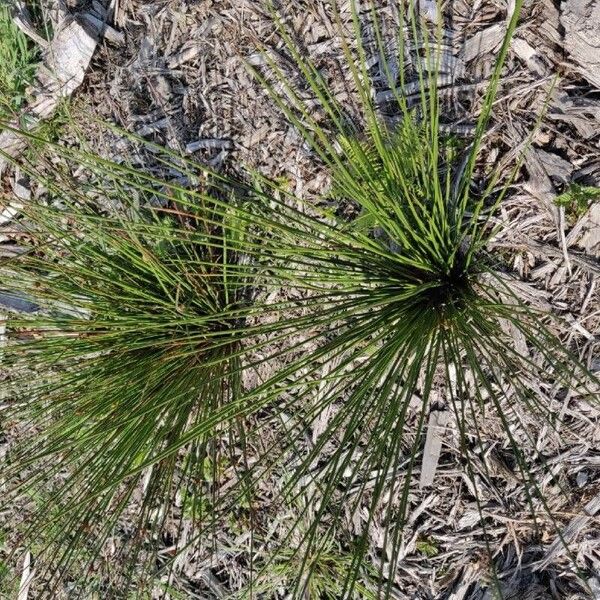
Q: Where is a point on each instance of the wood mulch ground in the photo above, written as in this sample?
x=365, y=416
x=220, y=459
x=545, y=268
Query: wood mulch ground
x=172, y=71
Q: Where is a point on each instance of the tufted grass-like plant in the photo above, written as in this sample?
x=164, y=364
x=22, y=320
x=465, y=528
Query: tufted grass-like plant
x=17, y=63
x=161, y=304
x=128, y=347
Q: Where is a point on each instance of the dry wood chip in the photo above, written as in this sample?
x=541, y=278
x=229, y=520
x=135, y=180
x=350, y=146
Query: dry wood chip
x=468, y=576
x=581, y=20
x=22, y=19
x=26, y=578
x=110, y=34
x=21, y=193
x=438, y=420
x=590, y=238
x=185, y=55
x=209, y=144
x=570, y=532
x=539, y=184
x=484, y=42
x=429, y=10
x=547, y=22
x=555, y=166
x=594, y=585
x=529, y=56
x=584, y=114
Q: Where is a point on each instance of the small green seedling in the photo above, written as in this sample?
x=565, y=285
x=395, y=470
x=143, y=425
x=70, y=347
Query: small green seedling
x=427, y=547
x=577, y=199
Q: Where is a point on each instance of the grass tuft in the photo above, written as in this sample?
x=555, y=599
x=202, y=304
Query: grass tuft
x=17, y=63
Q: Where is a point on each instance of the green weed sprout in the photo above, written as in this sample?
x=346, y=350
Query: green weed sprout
x=577, y=199
x=17, y=63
